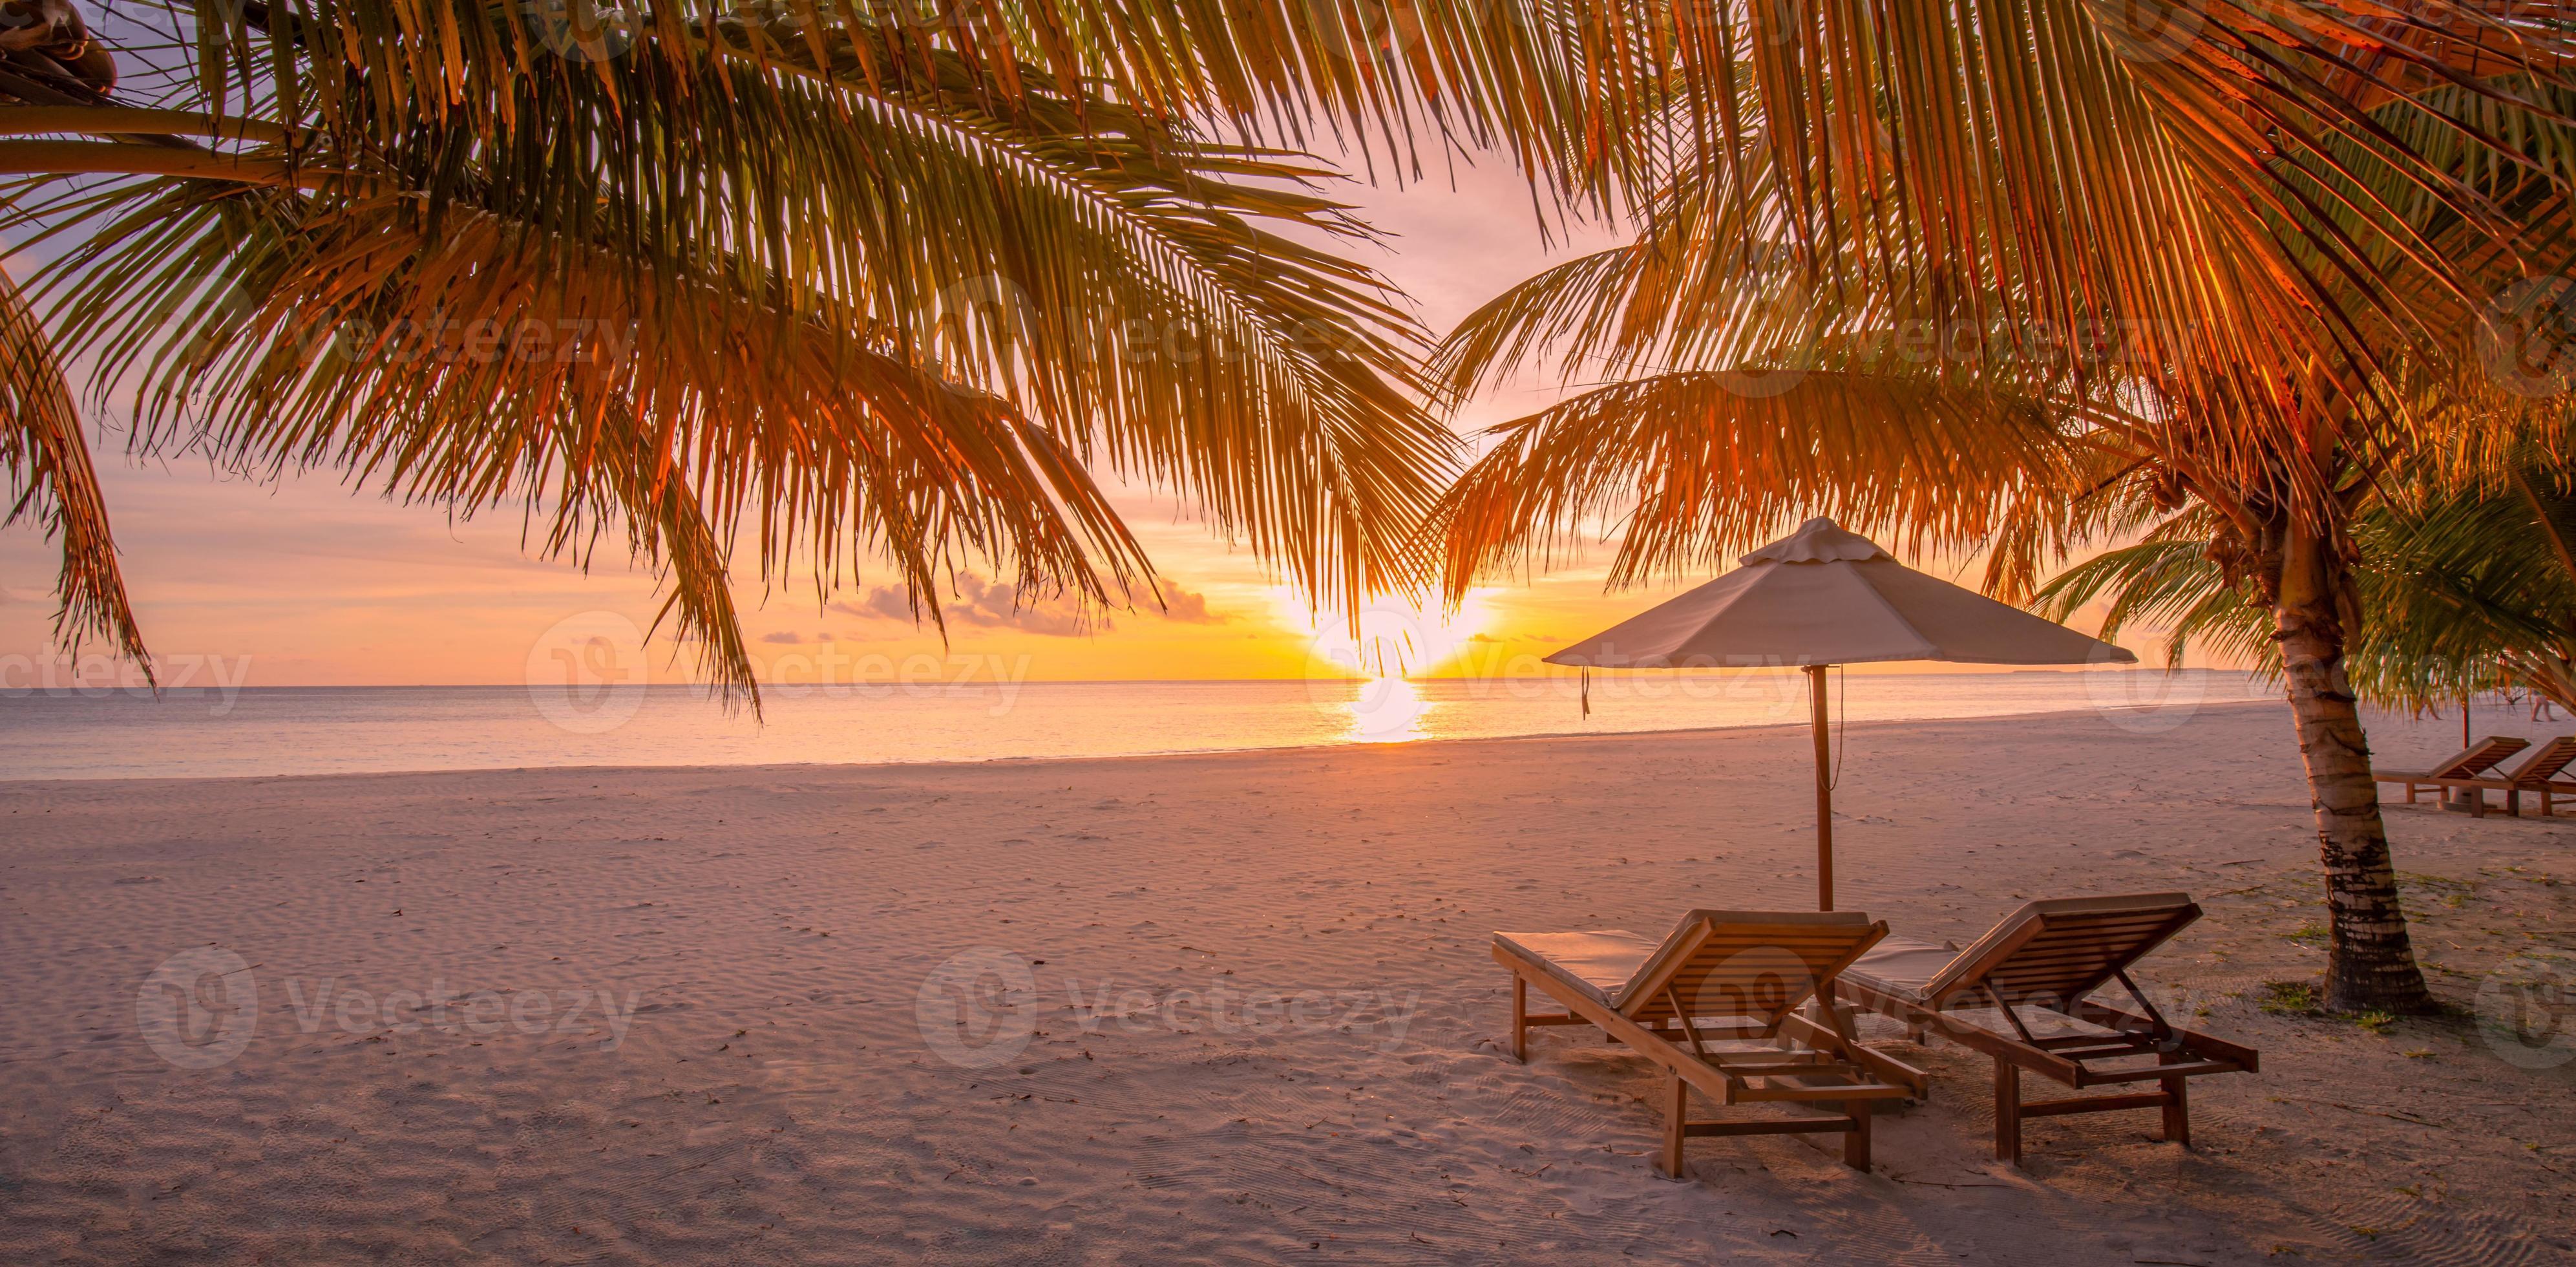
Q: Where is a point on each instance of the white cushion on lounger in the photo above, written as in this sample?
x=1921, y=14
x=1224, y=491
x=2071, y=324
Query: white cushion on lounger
x=1900, y=966
x=1598, y=962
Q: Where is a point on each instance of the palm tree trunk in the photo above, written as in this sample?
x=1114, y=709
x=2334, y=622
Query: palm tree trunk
x=2370, y=962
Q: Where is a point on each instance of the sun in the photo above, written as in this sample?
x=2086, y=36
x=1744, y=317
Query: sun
x=1370, y=672
x=1395, y=638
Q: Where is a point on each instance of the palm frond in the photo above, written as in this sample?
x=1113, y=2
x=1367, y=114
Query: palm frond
x=2185, y=214
x=1699, y=465
x=51, y=483
x=907, y=317
x=2461, y=590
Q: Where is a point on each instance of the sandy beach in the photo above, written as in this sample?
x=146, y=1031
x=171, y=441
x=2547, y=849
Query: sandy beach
x=711, y=1015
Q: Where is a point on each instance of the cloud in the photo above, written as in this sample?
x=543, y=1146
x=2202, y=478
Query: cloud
x=880, y=604
x=1185, y=607
x=1482, y=637
x=783, y=638
x=984, y=604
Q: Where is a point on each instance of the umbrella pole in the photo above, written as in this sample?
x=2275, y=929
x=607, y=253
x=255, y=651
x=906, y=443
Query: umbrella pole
x=1824, y=791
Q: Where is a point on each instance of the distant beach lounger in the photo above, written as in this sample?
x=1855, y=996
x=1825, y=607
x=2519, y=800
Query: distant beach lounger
x=2046, y=958
x=1740, y=977
x=2474, y=772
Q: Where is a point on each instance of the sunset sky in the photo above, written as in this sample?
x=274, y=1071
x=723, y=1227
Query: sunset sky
x=319, y=586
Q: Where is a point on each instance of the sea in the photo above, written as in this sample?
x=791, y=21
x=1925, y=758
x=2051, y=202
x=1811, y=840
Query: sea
x=118, y=733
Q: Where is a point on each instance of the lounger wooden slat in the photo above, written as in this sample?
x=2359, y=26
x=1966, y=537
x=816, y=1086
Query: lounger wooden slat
x=2087, y=1048
x=2189, y=1068
x=1787, y=1090
x=2092, y=1104
x=2048, y=957
x=1791, y=1126
x=1720, y=977
x=2093, y=1012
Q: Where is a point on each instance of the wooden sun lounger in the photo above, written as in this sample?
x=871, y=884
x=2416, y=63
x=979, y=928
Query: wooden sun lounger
x=2047, y=958
x=1739, y=978
x=2537, y=774
x=2474, y=761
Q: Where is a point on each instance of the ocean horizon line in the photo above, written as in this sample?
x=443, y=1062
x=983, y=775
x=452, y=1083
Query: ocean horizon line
x=13, y=690
x=334, y=728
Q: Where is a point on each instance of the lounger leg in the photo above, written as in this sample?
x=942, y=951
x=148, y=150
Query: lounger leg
x=1520, y=1019
x=1856, y=1140
x=2513, y=802
x=2178, y=1108
x=1676, y=1114
x=2007, y=1111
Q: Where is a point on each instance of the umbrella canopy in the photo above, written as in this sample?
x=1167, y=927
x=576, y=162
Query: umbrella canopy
x=1823, y=596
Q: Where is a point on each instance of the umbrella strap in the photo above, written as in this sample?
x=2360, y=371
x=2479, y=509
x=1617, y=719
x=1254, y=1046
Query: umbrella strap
x=1842, y=693
x=1587, y=693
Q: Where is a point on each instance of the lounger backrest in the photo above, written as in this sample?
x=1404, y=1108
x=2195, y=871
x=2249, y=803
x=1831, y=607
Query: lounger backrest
x=1760, y=964
x=2060, y=950
x=2479, y=757
x=2545, y=762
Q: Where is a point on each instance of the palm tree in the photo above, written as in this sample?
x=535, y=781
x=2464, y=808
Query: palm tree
x=1953, y=271
x=881, y=279
x=2463, y=588
x=861, y=276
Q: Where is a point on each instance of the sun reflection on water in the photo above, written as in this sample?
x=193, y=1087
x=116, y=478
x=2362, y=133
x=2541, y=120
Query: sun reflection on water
x=1387, y=710
x=1365, y=669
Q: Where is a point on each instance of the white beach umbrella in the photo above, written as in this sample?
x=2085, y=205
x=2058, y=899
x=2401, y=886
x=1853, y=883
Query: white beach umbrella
x=1823, y=596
